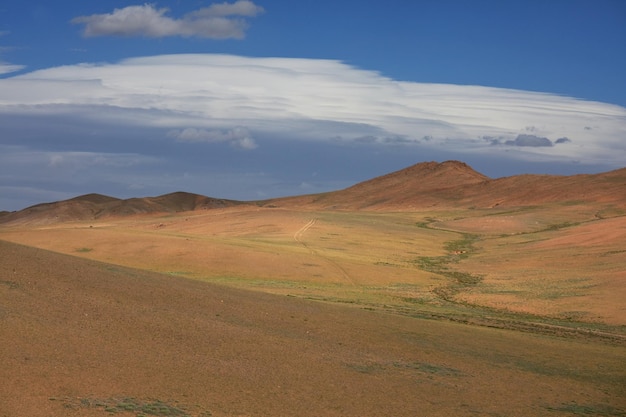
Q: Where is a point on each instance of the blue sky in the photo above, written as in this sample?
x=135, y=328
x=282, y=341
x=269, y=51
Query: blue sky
x=250, y=100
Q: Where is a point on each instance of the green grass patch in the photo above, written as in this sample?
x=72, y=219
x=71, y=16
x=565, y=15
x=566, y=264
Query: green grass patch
x=140, y=408
x=367, y=368
x=420, y=367
x=457, y=250
x=588, y=409
x=84, y=250
x=558, y=226
x=462, y=247
x=10, y=284
x=429, y=368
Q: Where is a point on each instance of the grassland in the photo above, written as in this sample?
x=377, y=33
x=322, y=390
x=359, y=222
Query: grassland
x=551, y=265
x=436, y=304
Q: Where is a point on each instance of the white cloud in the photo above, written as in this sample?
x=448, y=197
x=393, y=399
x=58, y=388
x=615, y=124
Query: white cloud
x=14, y=157
x=207, y=98
x=158, y=124
x=6, y=68
x=239, y=8
x=219, y=21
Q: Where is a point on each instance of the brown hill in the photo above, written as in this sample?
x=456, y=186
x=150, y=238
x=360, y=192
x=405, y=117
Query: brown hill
x=424, y=185
x=97, y=206
x=168, y=203
x=420, y=185
x=520, y=190
x=455, y=184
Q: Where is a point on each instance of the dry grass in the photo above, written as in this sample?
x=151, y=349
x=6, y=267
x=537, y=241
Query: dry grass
x=432, y=311
x=556, y=262
x=82, y=338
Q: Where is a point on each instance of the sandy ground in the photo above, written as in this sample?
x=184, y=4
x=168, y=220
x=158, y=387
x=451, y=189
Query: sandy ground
x=159, y=319
x=79, y=336
x=576, y=272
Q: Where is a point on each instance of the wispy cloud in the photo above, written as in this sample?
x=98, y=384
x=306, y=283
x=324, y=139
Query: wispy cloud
x=5, y=67
x=218, y=21
x=220, y=98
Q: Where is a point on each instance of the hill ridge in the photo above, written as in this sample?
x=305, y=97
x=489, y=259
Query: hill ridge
x=97, y=206
x=419, y=186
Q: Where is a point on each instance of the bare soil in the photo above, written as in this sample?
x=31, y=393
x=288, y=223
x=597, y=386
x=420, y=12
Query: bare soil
x=411, y=294
x=83, y=337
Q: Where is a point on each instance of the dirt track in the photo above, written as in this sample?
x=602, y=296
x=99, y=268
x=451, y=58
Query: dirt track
x=298, y=237
x=79, y=333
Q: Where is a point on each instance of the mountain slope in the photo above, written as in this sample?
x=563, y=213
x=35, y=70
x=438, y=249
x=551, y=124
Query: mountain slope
x=607, y=187
x=455, y=184
x=97, y=206
x=421, y=186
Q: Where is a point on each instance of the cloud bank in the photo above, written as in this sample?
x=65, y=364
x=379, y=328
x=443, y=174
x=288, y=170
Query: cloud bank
x=260, y=124
x=218, y=21
x=216, y=98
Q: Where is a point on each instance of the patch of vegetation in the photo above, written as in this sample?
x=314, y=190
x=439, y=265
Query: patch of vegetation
x=464, y=278
x=429, y=368
x=426, y=223
x=457, y=250
x=421, y=367
x=367, y=368
x=613, y=252
x=141, y=408
x=432, y=264
x=10, y=284
x=413, y=300
x=462, y=247
x=588, y=410
x=84, y=250
x=558, y=226
x=383, y=263
x=609, y=212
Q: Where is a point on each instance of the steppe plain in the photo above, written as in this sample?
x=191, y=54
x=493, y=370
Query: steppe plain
x=431, y=291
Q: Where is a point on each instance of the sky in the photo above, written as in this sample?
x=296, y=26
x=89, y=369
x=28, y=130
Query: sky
x=250, y=100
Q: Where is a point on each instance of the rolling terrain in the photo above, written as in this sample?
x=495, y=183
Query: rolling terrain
x=432, y=290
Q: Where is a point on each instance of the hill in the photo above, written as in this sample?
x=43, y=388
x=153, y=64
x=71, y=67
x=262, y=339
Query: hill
x=421, y=185
x=428, y=291
x=454, y=184
x=97, y=206
x=450, y=184
x=526, y=190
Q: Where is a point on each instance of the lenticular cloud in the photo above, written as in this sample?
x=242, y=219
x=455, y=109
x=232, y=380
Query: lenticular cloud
x=214, y=98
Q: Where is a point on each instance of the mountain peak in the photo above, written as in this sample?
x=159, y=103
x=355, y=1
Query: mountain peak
x=447, y=166
x=428, y=175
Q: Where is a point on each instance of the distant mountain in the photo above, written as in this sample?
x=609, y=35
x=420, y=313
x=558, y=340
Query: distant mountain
x=456, y=184
x=425, y=185
x=98, y=206
x=420, y=185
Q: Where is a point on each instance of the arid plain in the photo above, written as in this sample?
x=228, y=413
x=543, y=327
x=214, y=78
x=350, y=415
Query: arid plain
x=430, y=291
